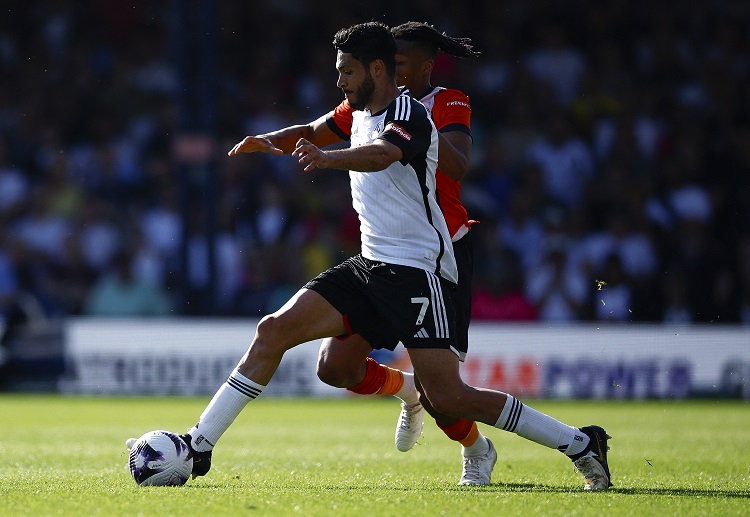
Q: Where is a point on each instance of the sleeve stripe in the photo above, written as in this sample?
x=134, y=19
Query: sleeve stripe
x=403, y=108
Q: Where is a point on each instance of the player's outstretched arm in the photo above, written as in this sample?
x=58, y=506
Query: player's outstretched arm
x=285, y=140
x=366, y=158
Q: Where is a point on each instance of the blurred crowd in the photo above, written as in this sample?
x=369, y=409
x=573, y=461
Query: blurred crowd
x=610, y=171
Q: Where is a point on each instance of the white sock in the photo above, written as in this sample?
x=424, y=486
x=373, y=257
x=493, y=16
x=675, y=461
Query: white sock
x=408, y=392
x=480, y=448
x=227, y=403
x=540, y=428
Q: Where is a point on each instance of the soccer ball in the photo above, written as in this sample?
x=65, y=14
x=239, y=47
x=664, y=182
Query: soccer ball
x=160, y=458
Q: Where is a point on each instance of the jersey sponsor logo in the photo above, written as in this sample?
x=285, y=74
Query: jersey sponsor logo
x=458, y=103
x=403, y=133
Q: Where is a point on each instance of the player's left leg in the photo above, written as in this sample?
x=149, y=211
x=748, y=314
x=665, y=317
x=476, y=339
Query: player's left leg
x=344, y=363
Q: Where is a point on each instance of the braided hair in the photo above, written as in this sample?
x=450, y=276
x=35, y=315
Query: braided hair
x=427, y=37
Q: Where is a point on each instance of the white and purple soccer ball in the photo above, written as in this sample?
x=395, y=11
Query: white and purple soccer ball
x=160, y=458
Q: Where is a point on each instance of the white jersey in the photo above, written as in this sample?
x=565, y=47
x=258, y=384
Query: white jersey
x=400, y=220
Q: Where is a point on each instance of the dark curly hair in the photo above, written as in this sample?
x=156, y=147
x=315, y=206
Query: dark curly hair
x=432, y=41
x=367, y=42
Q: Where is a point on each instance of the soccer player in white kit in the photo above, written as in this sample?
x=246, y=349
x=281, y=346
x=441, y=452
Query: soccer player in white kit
x=404, y=275
x=346, y=363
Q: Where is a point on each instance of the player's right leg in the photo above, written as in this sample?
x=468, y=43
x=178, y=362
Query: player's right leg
x=344, y=363
x=437, y=370
x=306, y=316
x=478, y=454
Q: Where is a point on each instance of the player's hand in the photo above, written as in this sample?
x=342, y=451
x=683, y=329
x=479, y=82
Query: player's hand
x=255, y=144
x=309, y=155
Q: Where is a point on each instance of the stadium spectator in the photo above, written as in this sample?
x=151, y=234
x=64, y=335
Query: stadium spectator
x=565, y=160
x=14, y=187
x=555, y=62
x=499, y=295
x=120, y=294
x=557, y=287
x=612, y=302
x=676, y=303
x=521, y=229
x=99, y=234
x=634, y=249
x=72, y=276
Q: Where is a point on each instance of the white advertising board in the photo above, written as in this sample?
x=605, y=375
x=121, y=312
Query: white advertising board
x=194, y=357
x=173, y=357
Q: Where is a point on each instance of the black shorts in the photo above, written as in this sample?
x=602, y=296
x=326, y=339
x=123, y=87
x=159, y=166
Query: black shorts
x=388, y=303
x=464, y=251
x=461, y=296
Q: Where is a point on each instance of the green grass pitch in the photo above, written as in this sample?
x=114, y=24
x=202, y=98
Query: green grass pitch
x=66, y=456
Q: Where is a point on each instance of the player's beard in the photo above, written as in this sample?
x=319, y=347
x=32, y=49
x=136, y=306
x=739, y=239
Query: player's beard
x=364, y=93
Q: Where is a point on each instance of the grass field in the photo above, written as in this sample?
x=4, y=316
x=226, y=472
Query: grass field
x=66, y=456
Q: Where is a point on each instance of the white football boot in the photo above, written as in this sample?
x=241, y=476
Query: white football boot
x=409, y=426
x=477, y=470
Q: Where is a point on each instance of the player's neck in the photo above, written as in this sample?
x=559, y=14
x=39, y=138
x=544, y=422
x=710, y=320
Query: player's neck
x=421, y=91
x=381, y=98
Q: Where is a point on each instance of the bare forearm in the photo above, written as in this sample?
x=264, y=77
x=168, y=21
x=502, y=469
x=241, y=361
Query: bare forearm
x=361, y=159
x=286, y=139
x=454, y=154
x=452, y=164
x=367, y=158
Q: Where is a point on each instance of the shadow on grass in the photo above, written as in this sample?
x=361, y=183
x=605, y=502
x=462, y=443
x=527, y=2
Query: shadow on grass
x=505, y=488
x=678, y=492
x=686, y=492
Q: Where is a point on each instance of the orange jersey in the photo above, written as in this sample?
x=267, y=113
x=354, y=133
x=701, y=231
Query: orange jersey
x=450, y=111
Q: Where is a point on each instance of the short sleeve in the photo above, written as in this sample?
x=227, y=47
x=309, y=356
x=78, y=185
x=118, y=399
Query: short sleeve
x=452, y=112
x=412, y=136
x=340, y=120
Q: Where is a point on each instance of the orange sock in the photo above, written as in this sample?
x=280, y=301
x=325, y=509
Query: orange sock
x=394, y=380
x=462, y=431
x=471, y=438
x=380, y=379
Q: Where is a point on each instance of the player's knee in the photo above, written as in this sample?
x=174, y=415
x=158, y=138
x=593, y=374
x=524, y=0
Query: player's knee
x=329, y=374
x=335, y=378
x=269, y=334
x=332, y=374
